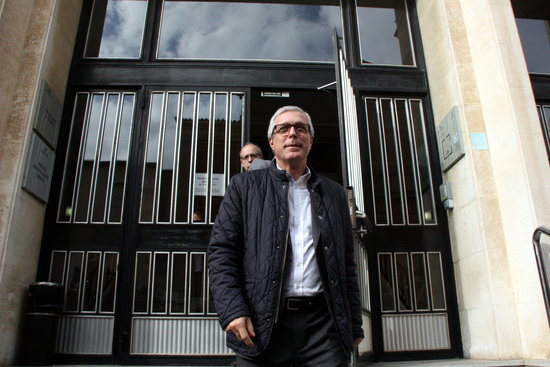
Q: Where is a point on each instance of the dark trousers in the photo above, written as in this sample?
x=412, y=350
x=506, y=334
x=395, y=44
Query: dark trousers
x=301, y=338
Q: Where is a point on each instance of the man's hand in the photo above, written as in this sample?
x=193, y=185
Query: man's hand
x=356, y=342
x=243, y=329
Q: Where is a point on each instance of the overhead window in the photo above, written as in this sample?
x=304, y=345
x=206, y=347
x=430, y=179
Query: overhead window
x=116, y=29
x=289, y=31
x=384, y=32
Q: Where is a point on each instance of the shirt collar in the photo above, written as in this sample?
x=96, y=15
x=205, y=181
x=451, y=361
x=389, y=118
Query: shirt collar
x=302, y=180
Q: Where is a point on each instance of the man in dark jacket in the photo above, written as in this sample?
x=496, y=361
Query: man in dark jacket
x=281, y=261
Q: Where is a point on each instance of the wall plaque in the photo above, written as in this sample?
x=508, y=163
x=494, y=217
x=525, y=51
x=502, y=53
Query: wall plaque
x=39, y=168
x=48, y=114
x=449, y=139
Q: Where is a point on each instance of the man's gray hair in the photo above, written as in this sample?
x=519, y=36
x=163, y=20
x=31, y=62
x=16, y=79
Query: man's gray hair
x=284, y=109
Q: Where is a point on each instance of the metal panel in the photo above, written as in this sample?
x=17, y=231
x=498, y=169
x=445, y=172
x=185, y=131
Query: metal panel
x=415, y=332
x=177, y=336
x=85, y=335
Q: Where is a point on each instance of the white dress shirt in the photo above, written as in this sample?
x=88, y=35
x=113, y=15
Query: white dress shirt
x=304, y=278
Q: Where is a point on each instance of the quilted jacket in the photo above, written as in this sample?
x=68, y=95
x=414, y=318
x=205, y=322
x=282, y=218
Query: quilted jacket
x=246, y=254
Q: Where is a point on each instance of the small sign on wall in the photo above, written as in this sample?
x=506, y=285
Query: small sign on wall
x=48, y=114
x=449, y=139
x=39, y=168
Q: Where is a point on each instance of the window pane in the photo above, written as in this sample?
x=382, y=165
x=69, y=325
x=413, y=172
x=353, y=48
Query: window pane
x=105, y=156
x=384, y=32
x=179, y=273
x=436, y=281
x=89, y=151
x=196, y=284
x=151, y=158
x=403, y=282
x=424, y=173
x=386, y=282
x=91, y=282
x=237, y=106
x=393, y=162
x=186, y=139
x=71, y=165
x=72, y=288
x=57, y=266
x=409, y=177
x=166, y=173
x=141, y=284
x=377, y=162
x=535, y=39
x=420, y=282
x=250, y=31
x=108, y=286
x=121, y=162
x=217, y=181
x=200, y=188
x=116, y=29
x=160, y=283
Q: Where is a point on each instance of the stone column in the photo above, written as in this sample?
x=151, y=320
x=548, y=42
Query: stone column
x=501, y=194
x=36, y=42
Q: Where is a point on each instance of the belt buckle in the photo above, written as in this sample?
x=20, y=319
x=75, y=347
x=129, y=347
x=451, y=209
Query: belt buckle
x=289, y=306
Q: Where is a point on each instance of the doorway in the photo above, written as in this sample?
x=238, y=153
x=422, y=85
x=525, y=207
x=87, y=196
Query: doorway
x=324, y=157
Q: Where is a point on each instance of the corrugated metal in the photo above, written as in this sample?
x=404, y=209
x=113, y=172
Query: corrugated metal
x=415, y=332
x=177, y=336
x=85, y=335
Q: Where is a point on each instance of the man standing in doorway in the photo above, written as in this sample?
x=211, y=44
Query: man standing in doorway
x=281, y=261
x=248, y=154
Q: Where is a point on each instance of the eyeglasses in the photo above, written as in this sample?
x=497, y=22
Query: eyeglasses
x=251, y=155
x=284, y=129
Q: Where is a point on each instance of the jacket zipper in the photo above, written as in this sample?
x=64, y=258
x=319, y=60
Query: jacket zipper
x=281, y=280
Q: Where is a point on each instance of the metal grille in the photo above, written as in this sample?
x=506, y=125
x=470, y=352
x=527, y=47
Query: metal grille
x=177, y=336
x=85, y=335
x=193, y=139
x=401, y=181
x=415, y=332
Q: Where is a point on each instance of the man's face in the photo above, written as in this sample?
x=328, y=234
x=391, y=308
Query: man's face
x=248, y=154
x=291, y=146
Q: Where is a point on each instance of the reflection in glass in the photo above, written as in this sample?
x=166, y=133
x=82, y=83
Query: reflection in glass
x=404, y=294
x=186, y=138
x=160, y=283
x=197, y=283
x=436, y=281
x=116, y=29
x=78, y=122
x=89, y=151
x=387, y=298
x=166, y=173
x=535, y=40
x=420, y=282
x=141, y=283
x=72, y=288
x=237, y=105
x=384, y=32
x=200, y=186
x=105, y=156
x=151, y=158
x=377, y=161
x=407, y=155
x=179, y=278
x=217, y=182
x=251, y=31
x=121, y=160
x=108, y=285
x=393, y=163
x=91, y=282
x=57, y=267
x=423, y=160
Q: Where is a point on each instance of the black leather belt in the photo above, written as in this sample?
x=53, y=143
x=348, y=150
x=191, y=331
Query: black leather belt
x=300, y=304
